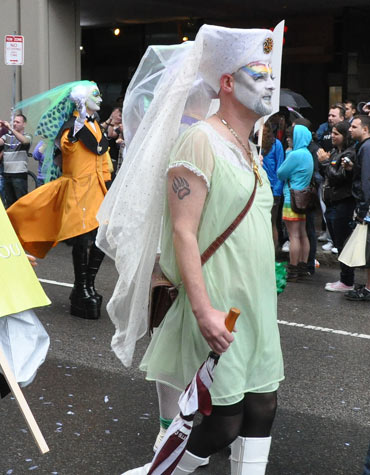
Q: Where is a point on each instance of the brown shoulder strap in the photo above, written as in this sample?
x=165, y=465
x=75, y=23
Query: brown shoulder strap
x=222, y=237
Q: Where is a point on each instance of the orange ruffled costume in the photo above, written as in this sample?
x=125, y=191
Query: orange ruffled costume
x=65, y=207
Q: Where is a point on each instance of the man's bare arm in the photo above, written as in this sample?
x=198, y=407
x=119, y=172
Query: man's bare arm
x=186, y=196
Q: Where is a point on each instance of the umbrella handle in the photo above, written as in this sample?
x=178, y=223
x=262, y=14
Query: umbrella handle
x=231, y=318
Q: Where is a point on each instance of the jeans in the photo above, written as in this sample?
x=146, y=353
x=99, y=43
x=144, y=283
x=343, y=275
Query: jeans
x=338, y=216
x=367, y=463
x=15, y=188
x=2, y=192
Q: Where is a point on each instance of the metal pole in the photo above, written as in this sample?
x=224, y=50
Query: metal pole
x=12, y=111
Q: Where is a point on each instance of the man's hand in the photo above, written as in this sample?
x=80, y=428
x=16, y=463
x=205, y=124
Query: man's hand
x=5, y=123
x=212, y=326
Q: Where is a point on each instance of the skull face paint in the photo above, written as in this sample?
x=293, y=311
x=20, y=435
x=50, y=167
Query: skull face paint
x=94, y=99
x=254, y=87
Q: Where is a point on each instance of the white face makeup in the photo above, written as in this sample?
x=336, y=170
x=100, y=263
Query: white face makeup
x=94, y=99
x=254, y=87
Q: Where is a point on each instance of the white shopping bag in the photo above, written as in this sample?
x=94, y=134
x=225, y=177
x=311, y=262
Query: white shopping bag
x=354, y=252
x=25, y=344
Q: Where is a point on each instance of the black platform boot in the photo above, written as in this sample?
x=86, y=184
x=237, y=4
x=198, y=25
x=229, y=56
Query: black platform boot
x=82, y=303
x=96, y=257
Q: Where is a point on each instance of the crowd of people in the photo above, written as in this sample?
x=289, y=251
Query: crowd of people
x=336, y=159
x=193, y=183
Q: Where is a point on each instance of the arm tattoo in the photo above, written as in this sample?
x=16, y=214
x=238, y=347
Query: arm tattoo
x=181, y=187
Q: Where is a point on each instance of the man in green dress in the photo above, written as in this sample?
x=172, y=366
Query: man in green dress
x=211, y=173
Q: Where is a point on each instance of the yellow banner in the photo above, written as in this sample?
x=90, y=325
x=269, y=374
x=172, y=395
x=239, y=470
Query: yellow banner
x=19, y=286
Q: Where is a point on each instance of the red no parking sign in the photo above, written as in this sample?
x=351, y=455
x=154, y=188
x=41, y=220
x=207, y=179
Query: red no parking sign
x=14, y=50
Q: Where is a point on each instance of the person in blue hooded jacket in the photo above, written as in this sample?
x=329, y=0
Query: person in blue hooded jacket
x=273, y=157
x=296, y=171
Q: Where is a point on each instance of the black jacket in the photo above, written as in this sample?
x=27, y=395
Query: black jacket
x=338, y=181
x=325, y=142
x=361, y=178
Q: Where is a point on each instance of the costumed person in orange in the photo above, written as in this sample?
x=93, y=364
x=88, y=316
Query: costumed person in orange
x=65, y=208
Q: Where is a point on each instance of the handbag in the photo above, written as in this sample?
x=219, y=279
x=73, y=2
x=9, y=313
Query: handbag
x=354, y=252
x=303, y=200
x=163, y=293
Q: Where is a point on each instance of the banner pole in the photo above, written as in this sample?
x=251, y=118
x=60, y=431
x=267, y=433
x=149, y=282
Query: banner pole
x=23, y=405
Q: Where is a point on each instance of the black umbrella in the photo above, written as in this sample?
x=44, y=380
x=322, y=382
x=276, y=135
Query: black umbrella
x=293, y=99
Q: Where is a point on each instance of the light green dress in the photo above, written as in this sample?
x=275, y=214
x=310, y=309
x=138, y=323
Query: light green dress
x=240, y=274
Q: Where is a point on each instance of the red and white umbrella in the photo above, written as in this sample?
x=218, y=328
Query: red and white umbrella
x=196, y=397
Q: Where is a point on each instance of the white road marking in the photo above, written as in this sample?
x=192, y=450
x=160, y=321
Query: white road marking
x=281, y=322
x=323, y=329
x=54, y=282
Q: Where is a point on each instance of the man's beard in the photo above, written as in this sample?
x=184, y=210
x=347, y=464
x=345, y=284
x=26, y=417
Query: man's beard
x=262, y=108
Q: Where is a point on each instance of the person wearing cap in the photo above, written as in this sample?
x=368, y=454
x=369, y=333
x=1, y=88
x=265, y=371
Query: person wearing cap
x=212, y=170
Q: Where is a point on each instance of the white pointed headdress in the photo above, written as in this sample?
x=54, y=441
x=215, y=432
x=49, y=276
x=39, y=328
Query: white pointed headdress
x=130, y=216
x=226, y=50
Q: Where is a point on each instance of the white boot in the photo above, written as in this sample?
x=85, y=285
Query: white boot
x=249, y=455
x=188, y=464
x=138, y=471
x=159, y=439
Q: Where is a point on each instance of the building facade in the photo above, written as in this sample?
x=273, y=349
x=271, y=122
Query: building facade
x=325, y=56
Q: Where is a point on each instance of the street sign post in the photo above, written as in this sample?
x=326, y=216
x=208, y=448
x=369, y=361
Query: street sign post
x=14, y=50
x=14, y=56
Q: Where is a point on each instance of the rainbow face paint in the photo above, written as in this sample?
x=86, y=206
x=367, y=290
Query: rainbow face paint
x=258, y=70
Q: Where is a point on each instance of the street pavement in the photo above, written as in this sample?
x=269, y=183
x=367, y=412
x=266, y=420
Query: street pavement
x=101, y=418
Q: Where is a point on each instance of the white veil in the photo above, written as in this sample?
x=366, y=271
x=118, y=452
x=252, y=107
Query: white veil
x=130, y=215
x=140, y=91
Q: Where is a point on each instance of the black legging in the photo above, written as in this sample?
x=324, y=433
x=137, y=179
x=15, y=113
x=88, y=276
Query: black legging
x=251, y=417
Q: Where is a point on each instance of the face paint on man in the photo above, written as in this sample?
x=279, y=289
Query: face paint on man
x=94, y=99
x=254, y=87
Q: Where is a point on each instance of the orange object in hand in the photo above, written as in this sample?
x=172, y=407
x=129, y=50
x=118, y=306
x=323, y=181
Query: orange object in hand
x=231, y=318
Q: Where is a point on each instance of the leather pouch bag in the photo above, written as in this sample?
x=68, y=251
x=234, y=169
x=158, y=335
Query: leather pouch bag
x=303, y=200
x=162, y=295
